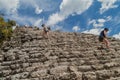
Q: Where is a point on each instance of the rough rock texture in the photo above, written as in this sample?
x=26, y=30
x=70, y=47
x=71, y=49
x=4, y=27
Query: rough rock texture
x=64, y=56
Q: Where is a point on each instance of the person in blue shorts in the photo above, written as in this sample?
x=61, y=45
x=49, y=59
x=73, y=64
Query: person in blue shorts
x=103, y=37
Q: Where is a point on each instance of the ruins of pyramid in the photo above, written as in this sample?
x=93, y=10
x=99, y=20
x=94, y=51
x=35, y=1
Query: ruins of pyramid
x=63, y=56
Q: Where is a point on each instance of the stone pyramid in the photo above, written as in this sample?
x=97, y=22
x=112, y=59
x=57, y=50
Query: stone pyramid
x=63, y=56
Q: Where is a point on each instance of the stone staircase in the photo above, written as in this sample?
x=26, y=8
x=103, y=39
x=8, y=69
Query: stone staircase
x=63, y=56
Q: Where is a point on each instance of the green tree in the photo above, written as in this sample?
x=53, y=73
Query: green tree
x=6, y=28
x=11, y=23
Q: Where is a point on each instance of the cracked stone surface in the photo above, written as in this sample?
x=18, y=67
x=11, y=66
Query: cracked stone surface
x=63, y=56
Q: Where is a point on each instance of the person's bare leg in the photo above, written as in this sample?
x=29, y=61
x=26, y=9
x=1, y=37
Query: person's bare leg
x=43, y=33
x=106, y=43
x=46, y=35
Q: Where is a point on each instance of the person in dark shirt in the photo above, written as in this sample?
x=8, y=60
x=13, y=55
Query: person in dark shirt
x=103, y=37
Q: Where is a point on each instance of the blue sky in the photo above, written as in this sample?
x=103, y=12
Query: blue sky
x=86, y=16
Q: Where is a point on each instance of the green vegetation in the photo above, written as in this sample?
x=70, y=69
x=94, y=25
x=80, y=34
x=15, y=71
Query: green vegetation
x=5, y=28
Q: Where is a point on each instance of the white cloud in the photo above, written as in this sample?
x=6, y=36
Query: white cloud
x=55, y=18
x=45, y=5
x=9, y=6
x=26, y=20
x=58, y=28
x=67, y=8
x=115, y=22
x=38, y=23
x=116, y=19
x=38, y=10
x=91, y=21
x=98, y=25
x=108, y=18
x=117, y=36
x=107, y=4
x=93, y=31
x=99, y=22
x=76, y=28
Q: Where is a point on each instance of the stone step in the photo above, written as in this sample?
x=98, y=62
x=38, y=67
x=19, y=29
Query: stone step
x=64, y=56
x=42, y=59
x=23, y=75
x=84, y=68
x=36, y=55
x=5, y=68
x=5, y=73
x=89, y=76
x=114, y=78
x=1, y=58
x=6, y=63
x=41, y=73
x=106, y=74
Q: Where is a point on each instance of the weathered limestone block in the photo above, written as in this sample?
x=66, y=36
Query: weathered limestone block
x=84, y=68
x=29, y=69
x=39, y=65
x=59, y=70
x=91, y=62
x=6, y=72
x=5, y=49
x=112, y=64
x=97, y=67
x=114, y=78
x=1, y=74
x=25, y=50
x=89, y=76
x=15, y=77
x=14, y=66
x=53, y=57
x=24, y=65
x=39, y=37
x=19, y=70
x=117, y=71
x=74, y=69
x=68, y=76
x=32, y=51
x=6, y=63
x=61, y=60
x=34, y=79
x=49, y=77
x=36, y=55
x=23, y=56
x=41, y=73
x=9, y=56
x=35, y=60
x=24, y=75
x=1, y=58
x=4, y=68
x=104, y=74
x=64, y=63
x=20, y=76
